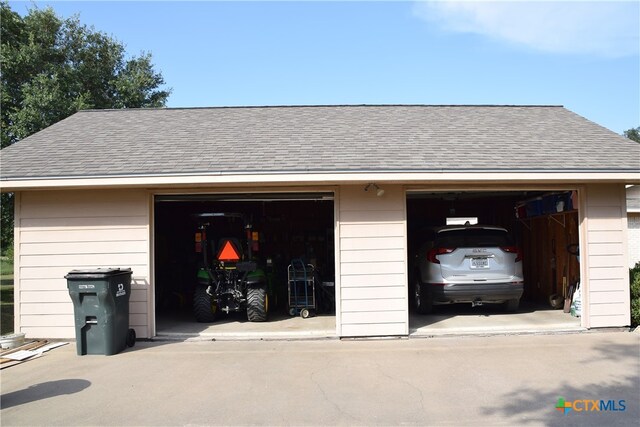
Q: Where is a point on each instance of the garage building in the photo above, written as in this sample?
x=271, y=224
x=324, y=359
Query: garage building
x=344, y=186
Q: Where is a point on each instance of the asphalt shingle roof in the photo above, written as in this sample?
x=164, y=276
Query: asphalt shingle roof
x=320, y=139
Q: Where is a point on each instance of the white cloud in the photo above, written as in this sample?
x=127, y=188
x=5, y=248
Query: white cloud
x=608, y=29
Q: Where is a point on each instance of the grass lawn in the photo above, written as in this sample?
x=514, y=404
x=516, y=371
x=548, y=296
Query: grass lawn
x=6, y=296
x=6, y=267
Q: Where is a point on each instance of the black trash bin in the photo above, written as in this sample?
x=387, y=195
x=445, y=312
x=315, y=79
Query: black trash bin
x=101, y=306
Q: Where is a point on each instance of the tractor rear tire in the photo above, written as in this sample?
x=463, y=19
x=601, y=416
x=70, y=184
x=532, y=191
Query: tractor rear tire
x=257, y=304
x=204, y=308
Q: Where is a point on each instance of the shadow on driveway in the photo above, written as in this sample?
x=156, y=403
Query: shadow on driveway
x=43, y=391
x=527, y=404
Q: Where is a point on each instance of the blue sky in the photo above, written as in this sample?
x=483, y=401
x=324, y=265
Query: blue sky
x=583, y=55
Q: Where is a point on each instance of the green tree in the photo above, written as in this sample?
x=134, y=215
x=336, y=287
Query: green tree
x=633, y=134
x=52, y=67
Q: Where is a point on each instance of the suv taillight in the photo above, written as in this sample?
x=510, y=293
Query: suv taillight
x=433, y=253
x=513, y=250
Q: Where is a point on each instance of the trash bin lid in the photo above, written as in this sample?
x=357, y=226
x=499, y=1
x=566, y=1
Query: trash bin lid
x=96, y=273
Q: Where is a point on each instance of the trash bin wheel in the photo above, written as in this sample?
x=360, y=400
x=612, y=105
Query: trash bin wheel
x=131, y=338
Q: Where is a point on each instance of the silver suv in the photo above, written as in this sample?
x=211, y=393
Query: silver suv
x=468, y=264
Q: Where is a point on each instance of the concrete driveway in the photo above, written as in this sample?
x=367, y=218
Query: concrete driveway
x=497, y=380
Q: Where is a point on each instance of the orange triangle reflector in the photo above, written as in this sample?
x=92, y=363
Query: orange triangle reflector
x=228, y=252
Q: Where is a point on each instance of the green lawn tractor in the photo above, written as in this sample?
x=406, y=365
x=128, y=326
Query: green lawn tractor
x=229, y=279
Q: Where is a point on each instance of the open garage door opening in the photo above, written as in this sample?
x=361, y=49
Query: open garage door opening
x=244, y=265
x=481, y=262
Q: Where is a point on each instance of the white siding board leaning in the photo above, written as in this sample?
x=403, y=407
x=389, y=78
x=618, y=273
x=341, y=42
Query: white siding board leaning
x=372, y=248
x=607, y=293
x=64, y=230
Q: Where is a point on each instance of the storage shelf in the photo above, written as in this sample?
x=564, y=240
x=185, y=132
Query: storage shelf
x=550, y=217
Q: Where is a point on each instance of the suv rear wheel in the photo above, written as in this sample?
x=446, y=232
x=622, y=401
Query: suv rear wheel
x=512, y=305
x=421, y=299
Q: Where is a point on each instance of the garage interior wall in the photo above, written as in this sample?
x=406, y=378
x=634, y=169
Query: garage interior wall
x=372, y=262
x=607, y=301
x=58, y=231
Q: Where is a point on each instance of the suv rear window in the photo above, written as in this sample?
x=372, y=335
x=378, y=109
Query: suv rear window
x=473, y=238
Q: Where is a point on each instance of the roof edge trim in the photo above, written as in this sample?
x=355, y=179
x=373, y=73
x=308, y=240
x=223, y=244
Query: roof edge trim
x=222, y=107
x=336, y=172
x=345, y=178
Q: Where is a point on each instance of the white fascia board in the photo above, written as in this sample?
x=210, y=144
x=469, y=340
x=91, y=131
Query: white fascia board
x=321, y=178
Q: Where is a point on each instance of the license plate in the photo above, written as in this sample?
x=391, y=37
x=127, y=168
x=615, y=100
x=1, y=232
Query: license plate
x=479, y=262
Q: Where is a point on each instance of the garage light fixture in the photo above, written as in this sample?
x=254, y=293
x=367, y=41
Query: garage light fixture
x=379, y=191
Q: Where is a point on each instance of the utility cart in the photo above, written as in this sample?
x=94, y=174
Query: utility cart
x=302, y=289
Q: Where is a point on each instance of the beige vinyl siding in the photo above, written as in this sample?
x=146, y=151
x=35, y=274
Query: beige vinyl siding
x=607, y=294
x=58, y=231
x=372, y=254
